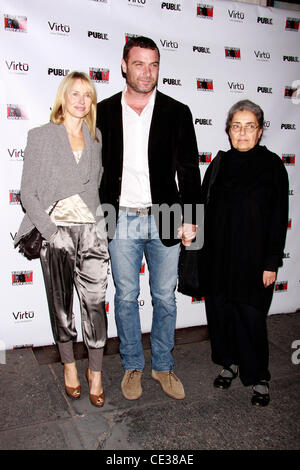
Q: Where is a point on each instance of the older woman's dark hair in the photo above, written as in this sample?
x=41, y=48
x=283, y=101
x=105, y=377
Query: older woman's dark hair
x=139, y=41
x=245, y=105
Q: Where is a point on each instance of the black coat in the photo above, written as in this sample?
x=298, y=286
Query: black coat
x=172, y=150
x=246, y=217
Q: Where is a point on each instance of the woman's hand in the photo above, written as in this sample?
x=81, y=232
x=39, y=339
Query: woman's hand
x=268, y=278
x=187, y=232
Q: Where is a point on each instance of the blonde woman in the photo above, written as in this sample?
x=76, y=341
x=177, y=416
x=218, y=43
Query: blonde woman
x=62, y=165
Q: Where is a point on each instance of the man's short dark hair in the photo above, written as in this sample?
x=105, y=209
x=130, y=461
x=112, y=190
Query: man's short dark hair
x=139, y=41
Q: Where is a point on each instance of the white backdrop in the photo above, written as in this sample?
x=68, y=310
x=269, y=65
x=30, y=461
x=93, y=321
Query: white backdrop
x=212, y=55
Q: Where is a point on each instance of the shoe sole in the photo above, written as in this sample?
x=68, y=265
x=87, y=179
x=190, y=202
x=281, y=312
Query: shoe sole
x=131, y=398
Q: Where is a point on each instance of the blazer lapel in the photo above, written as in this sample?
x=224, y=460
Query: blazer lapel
x=117, y=129
x=157, y=123
x=85, y=162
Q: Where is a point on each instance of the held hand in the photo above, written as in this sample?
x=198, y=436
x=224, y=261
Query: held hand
x=187, y=232
x=268, y=278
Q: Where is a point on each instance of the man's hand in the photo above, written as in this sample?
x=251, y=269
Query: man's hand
x=268, y=278
x=187, y=232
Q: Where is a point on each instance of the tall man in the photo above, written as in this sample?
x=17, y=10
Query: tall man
x=148, y=140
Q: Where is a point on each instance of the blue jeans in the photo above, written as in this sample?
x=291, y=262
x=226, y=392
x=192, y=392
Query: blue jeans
x=136, y=235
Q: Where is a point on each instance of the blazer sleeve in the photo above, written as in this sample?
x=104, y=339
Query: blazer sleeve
x=278, y=221
x=188, y=173
x=32, y=173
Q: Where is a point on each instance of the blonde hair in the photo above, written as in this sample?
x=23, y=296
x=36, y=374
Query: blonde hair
x=57, y=115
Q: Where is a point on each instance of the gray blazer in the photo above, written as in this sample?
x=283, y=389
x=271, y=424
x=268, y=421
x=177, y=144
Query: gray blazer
x=50, y=173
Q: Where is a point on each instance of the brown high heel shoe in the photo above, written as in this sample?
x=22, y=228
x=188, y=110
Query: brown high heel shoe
x=73, y=392
x=96, y=400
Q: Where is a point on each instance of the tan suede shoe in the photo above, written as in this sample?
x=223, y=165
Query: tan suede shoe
x=170, y=384
x=131, y=384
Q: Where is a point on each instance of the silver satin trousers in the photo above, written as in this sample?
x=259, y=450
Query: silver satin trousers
x=77, y=257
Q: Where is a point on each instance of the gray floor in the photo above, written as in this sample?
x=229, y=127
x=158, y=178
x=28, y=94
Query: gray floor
x=36, y=414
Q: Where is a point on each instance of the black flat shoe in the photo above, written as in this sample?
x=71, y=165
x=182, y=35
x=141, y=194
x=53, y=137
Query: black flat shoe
x=225, y=382
x=260, y=399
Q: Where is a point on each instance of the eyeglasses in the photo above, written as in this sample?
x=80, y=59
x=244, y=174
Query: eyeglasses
x=249, y=128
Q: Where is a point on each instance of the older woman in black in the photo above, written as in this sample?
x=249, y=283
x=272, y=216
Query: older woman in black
x=246, y=196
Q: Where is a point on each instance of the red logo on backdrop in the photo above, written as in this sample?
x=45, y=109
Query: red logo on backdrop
x=232, y=53
x=99, y=75
x=288, y=158
x=107, y=307
x=205, y=84
x=205, y=11
x=20, y=278
x=15, y=111
x=142, y=270
x=281, y=286
x=292, y=24
x=289, y=224
x=15, y=23
x=290, y=92
x=14, y=196
x=204, y=157
x=129, y=36
x=196, y=300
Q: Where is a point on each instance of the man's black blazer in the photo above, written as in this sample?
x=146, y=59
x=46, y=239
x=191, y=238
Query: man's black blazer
x=172, y=151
